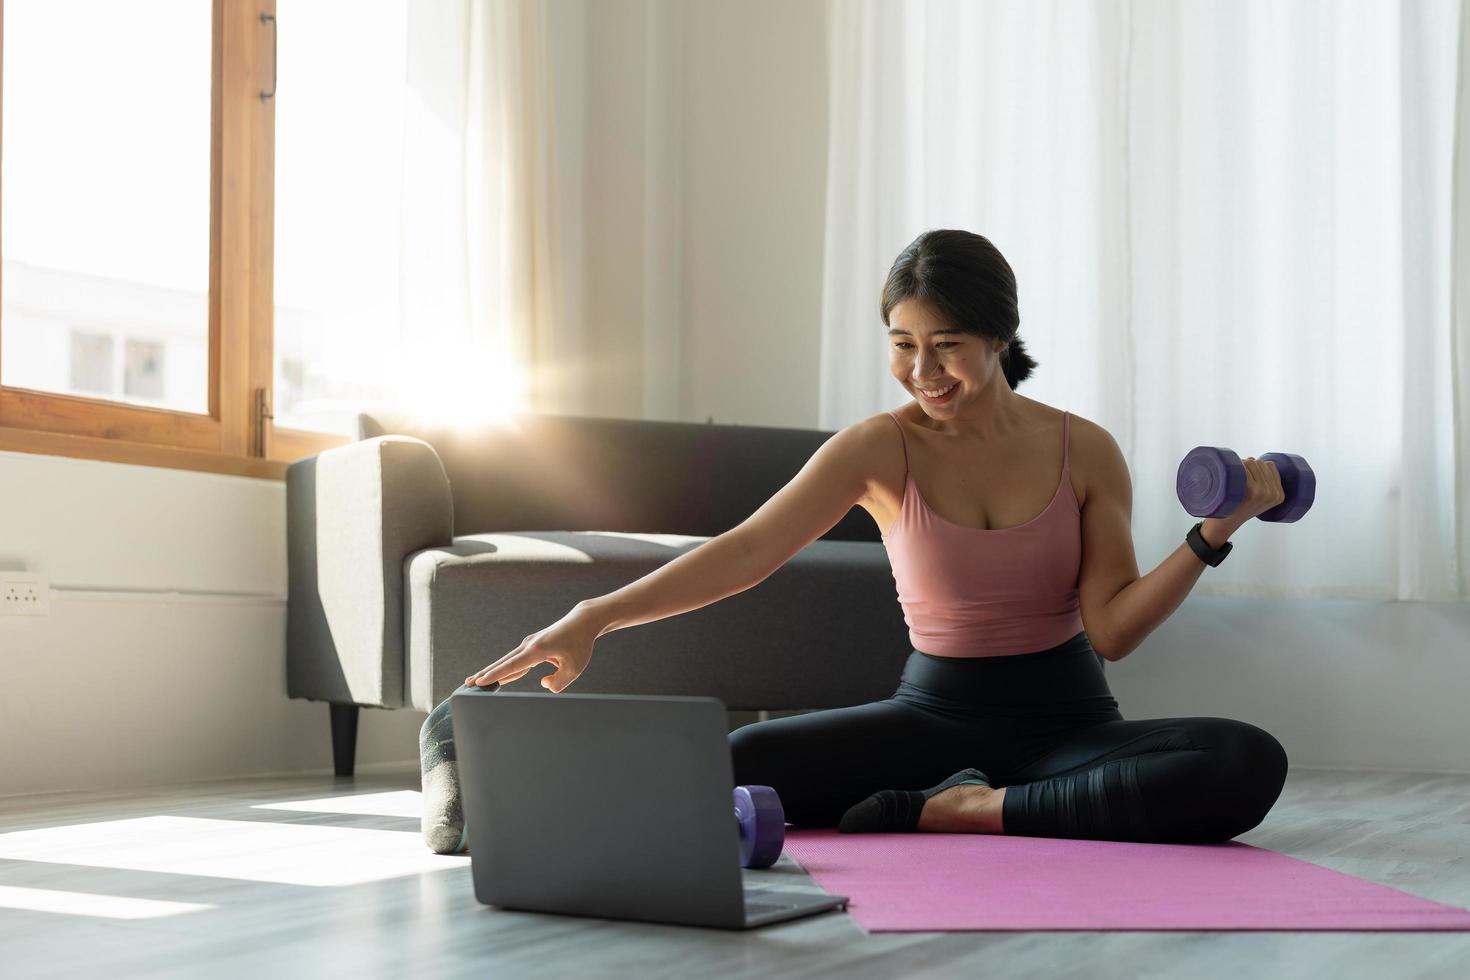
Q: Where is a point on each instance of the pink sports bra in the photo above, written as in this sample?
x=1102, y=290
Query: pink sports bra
x=973, y=592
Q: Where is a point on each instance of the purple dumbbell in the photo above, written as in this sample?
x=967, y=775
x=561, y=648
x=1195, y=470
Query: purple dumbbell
x=762, y=822
x=1211, y=483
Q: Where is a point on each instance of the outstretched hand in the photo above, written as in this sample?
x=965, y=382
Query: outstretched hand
x=565, y=644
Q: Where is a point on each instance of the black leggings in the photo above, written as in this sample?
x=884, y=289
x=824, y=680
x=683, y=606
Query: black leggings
x=1043, y=725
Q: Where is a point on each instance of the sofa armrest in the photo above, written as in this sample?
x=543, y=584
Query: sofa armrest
x=353, y=514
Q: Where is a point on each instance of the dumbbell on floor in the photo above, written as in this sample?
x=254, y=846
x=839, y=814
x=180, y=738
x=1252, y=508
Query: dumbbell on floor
x=1211, y=483
x=762, y=822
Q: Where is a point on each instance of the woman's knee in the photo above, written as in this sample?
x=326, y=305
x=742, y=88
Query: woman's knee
x=754, y=752
x=1253, y=764
x=761, y=755
x=1255, y=756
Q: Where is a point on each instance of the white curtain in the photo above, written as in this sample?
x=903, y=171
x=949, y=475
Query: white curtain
x=479, y=257
x=1238, y=225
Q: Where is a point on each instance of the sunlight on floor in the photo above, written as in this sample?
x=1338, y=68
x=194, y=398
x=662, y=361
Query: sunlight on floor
x=99, y=906
x=401, y=803
x=290, y=854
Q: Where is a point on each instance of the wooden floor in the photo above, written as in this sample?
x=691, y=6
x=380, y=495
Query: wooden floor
x=315, y=876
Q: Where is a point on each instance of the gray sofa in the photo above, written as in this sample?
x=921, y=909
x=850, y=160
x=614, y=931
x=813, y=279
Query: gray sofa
x=419, y=555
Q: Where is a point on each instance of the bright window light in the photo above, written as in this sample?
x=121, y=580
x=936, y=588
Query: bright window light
x=106, y=194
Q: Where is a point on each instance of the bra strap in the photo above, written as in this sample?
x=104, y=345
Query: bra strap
x=905, y=442
x=1066, y=427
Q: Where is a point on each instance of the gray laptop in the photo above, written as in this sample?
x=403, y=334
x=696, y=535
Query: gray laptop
x=610, y=805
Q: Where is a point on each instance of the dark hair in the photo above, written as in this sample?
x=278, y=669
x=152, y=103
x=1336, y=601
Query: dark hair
x=966, y=280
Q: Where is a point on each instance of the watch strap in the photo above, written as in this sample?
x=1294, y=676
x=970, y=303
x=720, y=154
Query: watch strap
x=1201, y=547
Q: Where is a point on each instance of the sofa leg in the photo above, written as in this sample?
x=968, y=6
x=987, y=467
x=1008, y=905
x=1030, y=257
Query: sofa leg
x=344, y=737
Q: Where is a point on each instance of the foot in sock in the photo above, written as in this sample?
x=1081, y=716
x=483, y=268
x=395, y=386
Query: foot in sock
x=900, y=809
x=443, y=819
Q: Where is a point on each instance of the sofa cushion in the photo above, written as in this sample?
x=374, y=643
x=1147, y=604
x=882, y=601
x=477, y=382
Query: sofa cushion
x=827, y=623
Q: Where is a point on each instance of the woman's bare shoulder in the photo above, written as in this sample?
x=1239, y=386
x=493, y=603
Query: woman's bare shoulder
x=881, y=450
x=1089, y=435
x=875, y=425
x=1094, y=453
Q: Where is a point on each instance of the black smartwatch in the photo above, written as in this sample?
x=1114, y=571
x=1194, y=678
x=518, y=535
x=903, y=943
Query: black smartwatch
x=1210, y=556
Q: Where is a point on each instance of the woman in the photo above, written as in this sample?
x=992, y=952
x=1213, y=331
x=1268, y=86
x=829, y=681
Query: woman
x=1002, y=721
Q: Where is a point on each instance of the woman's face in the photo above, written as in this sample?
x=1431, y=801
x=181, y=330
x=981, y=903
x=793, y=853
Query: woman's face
x=924, y=357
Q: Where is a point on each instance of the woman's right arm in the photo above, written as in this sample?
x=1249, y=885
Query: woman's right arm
x=831, y=483
x=721, y=567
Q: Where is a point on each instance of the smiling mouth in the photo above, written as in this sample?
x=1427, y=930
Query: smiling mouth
x=942, y=390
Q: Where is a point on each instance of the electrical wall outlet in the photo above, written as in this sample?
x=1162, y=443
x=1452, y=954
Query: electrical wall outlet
x=24, y=594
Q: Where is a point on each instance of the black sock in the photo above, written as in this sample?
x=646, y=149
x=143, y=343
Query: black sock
x=899, y=809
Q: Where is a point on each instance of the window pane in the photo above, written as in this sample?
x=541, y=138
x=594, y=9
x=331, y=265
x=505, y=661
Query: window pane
x=339, y=147
x=91, y=363
x=104, y=198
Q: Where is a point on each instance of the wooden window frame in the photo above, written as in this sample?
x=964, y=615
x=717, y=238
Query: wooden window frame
x=236, y=436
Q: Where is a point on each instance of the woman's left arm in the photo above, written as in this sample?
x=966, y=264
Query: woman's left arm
x=1120, y=608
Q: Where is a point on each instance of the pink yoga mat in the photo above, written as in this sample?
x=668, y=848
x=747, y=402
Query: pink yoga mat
x=928, y=882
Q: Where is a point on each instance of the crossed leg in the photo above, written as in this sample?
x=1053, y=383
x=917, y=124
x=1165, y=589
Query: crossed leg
x=1199, y=779
x=1163, y=780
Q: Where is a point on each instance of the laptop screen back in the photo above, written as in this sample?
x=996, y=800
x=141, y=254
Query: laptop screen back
x=605, y=805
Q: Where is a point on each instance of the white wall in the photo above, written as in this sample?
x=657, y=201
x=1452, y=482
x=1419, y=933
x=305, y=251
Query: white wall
x=755, y=177
x=1342, y=683
x=719, y=178
x=119, y=687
